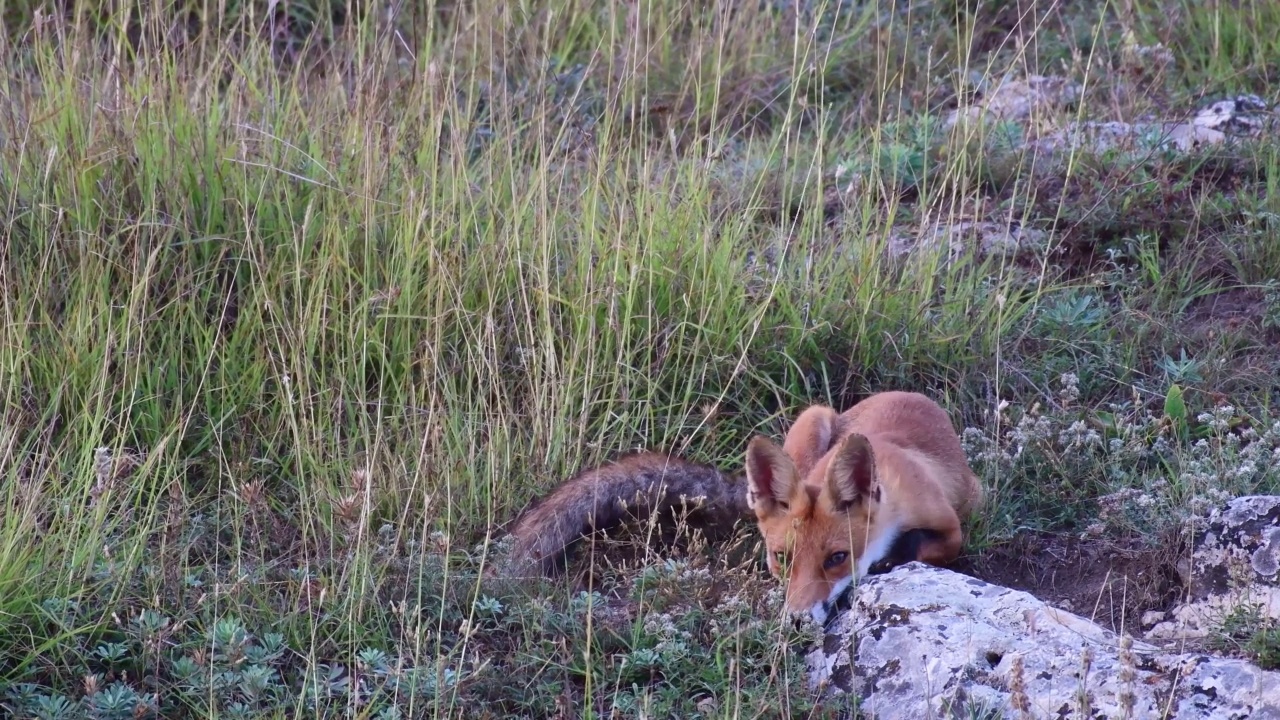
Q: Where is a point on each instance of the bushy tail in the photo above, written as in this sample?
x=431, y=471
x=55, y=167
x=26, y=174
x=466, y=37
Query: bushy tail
x=631, y=487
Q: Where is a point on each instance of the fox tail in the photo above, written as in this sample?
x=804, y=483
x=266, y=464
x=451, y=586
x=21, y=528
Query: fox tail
x=632, y=487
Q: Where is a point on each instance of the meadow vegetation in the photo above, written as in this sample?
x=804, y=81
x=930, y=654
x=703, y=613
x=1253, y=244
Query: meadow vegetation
x=302, y=302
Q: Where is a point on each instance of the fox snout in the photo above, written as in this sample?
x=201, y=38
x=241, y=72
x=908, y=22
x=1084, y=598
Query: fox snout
x=816, y=597
x=814, y=588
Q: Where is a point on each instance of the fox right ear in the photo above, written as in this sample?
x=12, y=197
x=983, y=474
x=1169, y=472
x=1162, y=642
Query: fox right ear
x=852, y=472
x=771, y=477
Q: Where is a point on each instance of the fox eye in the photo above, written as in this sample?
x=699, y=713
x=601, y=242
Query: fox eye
x=834, y=560
x=780, y=558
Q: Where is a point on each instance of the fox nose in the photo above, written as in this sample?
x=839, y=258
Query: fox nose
x=797, y=609
x=825, y=609
x=801, y=600
x=820, y=612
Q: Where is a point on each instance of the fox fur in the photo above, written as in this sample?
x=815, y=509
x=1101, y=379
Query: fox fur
x=633, y=487
x=859, y=493
x=845, y=495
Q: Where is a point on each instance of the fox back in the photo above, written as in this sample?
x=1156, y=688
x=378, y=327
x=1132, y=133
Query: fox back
x=859, y=493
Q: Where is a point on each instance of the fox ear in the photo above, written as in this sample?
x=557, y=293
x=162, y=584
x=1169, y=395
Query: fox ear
x=810, y=437
x=852, y=472
x=771, y=477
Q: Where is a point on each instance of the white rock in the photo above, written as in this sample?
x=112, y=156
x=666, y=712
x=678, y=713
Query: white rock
x=1235, y=561
x=926, y=642
x=1016, y=99
x=983, y=237
x=1242, y=116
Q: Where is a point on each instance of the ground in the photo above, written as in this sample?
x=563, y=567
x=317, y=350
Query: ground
x=1109, y=582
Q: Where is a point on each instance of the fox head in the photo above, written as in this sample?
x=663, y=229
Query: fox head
x=817, y=526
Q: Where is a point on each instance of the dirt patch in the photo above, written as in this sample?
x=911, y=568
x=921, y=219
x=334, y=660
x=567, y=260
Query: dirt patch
x=1234, y=309
x=1109, y=581
x=1232, y=324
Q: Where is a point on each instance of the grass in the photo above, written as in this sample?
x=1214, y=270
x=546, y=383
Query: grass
x=300, y=308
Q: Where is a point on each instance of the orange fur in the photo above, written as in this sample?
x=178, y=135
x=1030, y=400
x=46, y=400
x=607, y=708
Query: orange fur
x=836, y=500
x=844, y=493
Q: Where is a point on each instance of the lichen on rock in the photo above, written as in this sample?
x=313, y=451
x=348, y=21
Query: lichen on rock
x=966, y=645
x=1235, y=561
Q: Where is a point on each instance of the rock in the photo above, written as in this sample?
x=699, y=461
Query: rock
x=1243, y=115
x=927, y=642
x=1019, y=99
x=1235, y=561
x=1189, y=136
x=1238, y=117
x=1102, y=137
x=1096, y=137
x=959, y=238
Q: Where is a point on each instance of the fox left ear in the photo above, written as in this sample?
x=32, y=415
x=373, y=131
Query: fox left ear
x=852, y=472
x=771, y=478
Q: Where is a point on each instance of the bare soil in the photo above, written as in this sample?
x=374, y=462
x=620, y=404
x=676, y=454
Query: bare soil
x=1233, y=309
x=1109, y=581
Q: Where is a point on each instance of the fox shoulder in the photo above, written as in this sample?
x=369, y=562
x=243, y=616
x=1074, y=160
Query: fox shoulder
x=634, y=486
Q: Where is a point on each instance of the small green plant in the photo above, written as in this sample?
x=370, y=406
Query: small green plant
x=52, y=707
x=1184, y=370
x=899, y=154
x=118, y=701
x=1175, y=410
x=1076, y=313
x=1246, y=629
x=1271, y=300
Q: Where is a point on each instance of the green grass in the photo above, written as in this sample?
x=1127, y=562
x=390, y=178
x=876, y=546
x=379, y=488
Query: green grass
x=294, y=322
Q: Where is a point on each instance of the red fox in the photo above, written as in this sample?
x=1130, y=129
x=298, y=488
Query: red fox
x=845, y=496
